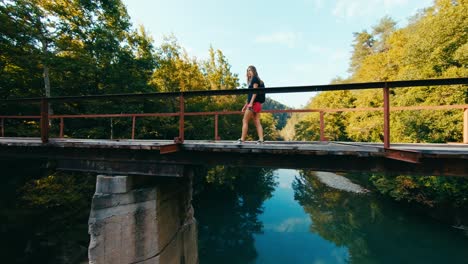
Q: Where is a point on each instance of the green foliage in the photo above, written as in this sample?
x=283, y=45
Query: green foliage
x=433, y=45
x=218, y=73
x=281, y=118
x=431, y=191
x=308, y=128
x=59, y=192
x=288, y=132
x=90, y=48
x=176, y=71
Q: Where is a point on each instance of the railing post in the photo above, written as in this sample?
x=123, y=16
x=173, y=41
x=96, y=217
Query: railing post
x=465, y=125
x=133, y=126
x=44, y=120
x=3, y=127
x=322, y=127
x=61, y=127
x=386, y=99
x=216, y=128
x=180, y=139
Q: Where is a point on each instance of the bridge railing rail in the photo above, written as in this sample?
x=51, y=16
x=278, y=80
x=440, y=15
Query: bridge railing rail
x=44, y=116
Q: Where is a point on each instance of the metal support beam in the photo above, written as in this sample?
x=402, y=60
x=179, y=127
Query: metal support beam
x=133, y=126
x=403, y=155
x=180, y=139
x=216, y=128
x=322, y=127
x=44, y=120
x=386, y=99
x=170, y=148
x=465, y=126
x=61, y=127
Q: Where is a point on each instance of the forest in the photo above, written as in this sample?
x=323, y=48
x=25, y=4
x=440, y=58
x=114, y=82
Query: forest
x=72, y=48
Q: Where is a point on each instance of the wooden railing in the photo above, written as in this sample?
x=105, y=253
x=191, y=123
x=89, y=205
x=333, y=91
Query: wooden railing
x=44, y=116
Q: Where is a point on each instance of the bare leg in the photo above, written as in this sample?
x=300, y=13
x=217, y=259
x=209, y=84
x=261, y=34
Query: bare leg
x=245, y=124
x=258, y=125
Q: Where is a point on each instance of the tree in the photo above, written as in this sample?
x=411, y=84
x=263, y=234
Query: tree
x=362, y=47
x=218, y=71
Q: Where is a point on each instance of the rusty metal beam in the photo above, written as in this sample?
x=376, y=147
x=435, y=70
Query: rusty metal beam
x=216, y=128
x=170, y=148
x=133, y=126
x=61, y=127
x=410, y=156
x=386, y=99
x=181, y=118
x=322, y=127
x=44, y=120
x=465, y=126
x=291, y=89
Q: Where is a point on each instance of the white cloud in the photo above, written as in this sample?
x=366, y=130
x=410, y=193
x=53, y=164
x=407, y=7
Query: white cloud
x=318, y=4
x=330, y=54
x=285, y=38
x=340, y=55
x=318, y=49
x=292, y=225
x=355, y=8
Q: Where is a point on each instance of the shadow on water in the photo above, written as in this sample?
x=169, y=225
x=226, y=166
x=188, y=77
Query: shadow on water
x=43, y=213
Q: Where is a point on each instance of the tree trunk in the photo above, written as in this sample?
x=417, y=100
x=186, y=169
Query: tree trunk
x=46, y=72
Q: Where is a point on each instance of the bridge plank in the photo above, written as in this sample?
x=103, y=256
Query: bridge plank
x=143, y=156
x=318, y=148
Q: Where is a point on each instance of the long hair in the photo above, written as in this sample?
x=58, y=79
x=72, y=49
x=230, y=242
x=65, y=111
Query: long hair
x=255, y=73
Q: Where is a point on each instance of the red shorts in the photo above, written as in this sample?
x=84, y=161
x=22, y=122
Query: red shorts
x=257, y=107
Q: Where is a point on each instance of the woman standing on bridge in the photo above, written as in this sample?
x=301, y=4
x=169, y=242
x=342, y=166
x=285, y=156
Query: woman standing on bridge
x=252, y=108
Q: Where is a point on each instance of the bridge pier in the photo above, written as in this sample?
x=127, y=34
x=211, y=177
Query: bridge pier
x=131, y=224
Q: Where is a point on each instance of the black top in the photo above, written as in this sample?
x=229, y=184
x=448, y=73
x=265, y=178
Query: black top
x=256, y=80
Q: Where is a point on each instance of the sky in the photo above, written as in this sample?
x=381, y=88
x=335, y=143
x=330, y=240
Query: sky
x=291, y=43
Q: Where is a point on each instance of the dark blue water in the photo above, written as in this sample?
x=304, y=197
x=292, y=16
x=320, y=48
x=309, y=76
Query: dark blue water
x=304, y=221
x=245, y=215
x=287, y=237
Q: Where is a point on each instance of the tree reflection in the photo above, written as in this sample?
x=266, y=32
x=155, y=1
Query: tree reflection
x=43, y=213
x=376, y=231
x=227, y=203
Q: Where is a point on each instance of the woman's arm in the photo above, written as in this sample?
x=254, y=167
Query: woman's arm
x=255, y=86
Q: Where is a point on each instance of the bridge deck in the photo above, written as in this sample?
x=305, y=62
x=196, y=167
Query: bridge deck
x=278, y=147
x=164, y=158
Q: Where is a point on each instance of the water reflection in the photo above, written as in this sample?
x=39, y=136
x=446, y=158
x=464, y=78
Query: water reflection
x=304, y=221
x=286, y=237
x=227, y=209
x=43, y=214
x=377, y=231
x=245, y=215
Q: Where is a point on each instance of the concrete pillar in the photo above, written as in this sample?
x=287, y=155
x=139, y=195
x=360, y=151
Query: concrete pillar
x=147, y=225
x=465, y=126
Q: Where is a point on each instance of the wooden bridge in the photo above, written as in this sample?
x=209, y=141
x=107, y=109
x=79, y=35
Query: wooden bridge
x=152, y=219
x=164, y=157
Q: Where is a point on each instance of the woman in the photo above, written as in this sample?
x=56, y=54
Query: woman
x=252, y=108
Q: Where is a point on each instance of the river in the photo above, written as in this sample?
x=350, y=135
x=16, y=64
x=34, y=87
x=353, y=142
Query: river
x=306, y=221
x=245, y=215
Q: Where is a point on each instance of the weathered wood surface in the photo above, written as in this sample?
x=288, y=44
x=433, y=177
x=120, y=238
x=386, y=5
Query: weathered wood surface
x=164, y=158
x=278, y=147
